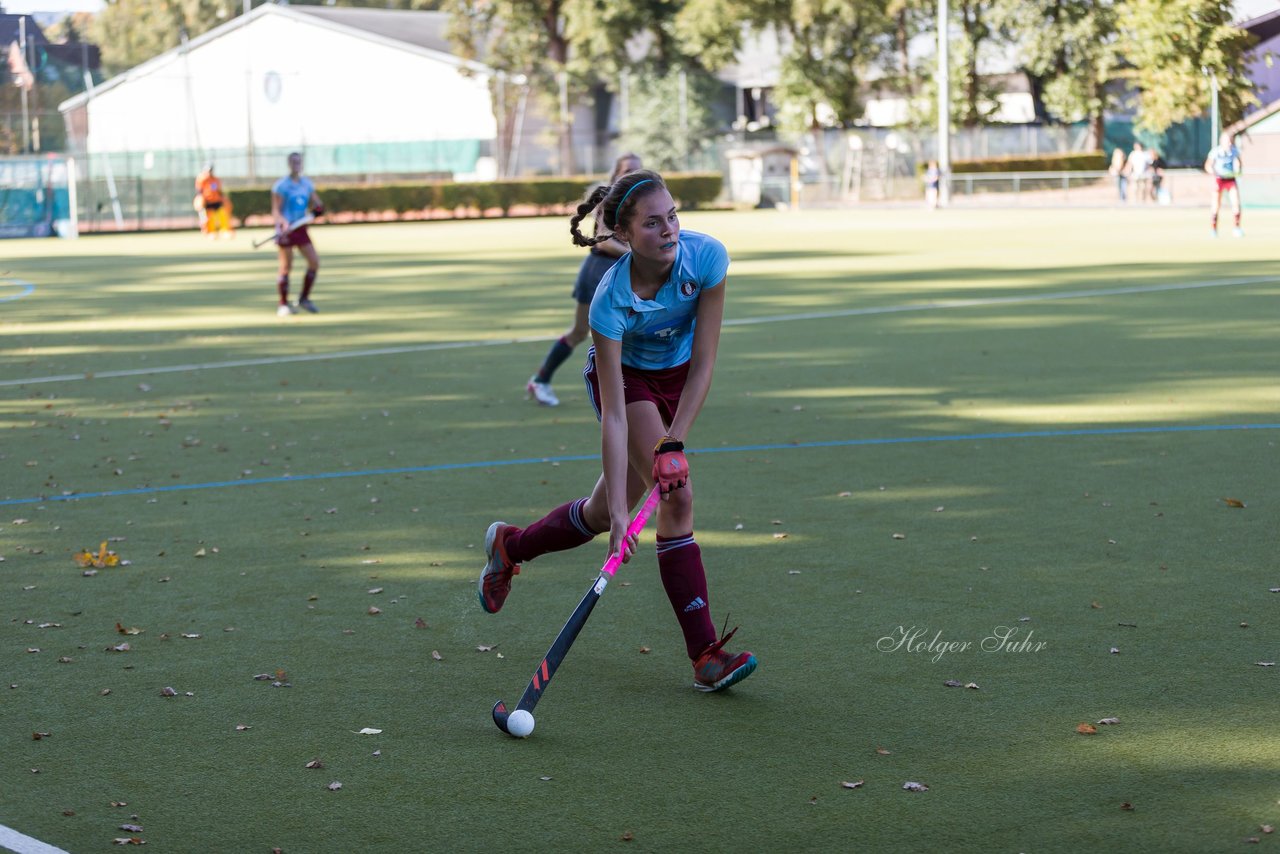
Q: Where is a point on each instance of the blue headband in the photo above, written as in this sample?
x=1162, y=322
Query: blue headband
x=632, y=190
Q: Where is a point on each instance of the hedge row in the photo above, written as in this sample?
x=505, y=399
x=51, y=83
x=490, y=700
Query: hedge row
x=472, y=198
x=1079, y=161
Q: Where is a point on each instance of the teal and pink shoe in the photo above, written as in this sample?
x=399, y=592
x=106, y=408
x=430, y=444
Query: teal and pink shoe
x=495, y=578
x=717, y=669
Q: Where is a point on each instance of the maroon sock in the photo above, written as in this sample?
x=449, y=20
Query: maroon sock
x=1237, y=220
x=680, y=562
x=562, y=528
x=307, y=281
x=1215, y=222
x=282, y=285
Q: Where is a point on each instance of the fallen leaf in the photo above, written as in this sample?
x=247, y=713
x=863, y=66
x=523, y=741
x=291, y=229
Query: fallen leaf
x=485, y=647
x=1094, y=604
x=190, y=635
x=857, y=784
x=1265, y=663
x=128, y=840
x=644, y=650
x=1233, y=502
x=1266, y=828
x=131, y=828
x=375, y=590
x=420, y=623
x=1115, y=650
x=973, y=686
x=1127, y=807
x=911, y=786
x=435, y=653
x=1109, y=721
x=883, y=752
x=314, y=763
x=168, y=692
x=1087, y=729
x=38, y=736
x=242, y=727
x=200, y=553
x=134, y=630
x=952, y=683
x=627, y=836
x=779, y=535
x=373, y=611
x=120, y=647
x=335, y=786
x=899, y=536
x=368, y=731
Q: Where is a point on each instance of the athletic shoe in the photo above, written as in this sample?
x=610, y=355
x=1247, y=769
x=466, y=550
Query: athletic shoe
x=308, y=305
x=541, y=392
x=1237, y=232
x=284, y=310
x=716, y=669
x=495, y=578
x=1213, y=232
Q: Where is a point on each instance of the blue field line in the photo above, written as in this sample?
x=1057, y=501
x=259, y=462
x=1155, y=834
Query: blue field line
x=27, y=289
x=573, y=458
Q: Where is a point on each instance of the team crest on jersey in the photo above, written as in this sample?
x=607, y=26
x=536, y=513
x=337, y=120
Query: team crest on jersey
x=687, y=288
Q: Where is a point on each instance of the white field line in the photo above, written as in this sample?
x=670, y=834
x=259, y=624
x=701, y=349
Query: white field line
x=19, y=843
x=942, y=305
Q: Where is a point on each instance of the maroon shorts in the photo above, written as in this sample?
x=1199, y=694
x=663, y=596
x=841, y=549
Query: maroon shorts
x=297, y=237
x=1225, y=183
x=662, y=387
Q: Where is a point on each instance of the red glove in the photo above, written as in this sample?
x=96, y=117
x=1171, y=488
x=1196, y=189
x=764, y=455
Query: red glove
x=670, y=468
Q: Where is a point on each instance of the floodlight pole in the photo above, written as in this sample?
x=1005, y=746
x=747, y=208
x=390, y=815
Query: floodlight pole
x=944, y=107
x=26, y=115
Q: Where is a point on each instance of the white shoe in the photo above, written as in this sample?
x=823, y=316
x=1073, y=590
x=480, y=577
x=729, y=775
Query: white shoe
x=1237, y=232
x=285, y=310
x=541, y=392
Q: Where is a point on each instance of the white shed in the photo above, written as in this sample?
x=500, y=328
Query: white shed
x=360, y=91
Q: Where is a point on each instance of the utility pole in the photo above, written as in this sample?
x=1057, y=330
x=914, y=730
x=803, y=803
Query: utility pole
x=26, y=112
x=944, y=107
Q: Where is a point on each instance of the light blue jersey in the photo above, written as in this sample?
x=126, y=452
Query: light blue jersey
x=1224, y=161
x=658, y=333
x=294, y=194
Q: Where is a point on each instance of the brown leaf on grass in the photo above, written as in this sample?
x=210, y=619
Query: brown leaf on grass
x=856, y=784
x=420, y=623
x=374, y=611
x=627, y=836
x=780, y=535
x=118, y=804
x=314, y=763
x=38, y=736
x=1127, y=807
x=1266, y=828
x=435, y=654
x=68, y=813
x=128, y=840
x=120, y=647
x=1233, y=502
x=644, y=650
x=1087, y=729
x=883, y=751
x=132, y=630
x=168, y=692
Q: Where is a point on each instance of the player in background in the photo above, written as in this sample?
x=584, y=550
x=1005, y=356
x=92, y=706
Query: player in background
x=655, y=326
x=1224, y=164
x=601, y=257
x=214, y=202
x=290, y=198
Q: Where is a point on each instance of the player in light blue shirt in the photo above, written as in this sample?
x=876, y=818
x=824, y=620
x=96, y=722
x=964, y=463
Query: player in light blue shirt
x=1224, y=164
x=655, y=326
x=291, y=197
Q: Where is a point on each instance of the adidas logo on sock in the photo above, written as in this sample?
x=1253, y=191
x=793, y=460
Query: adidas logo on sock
x=695, y=605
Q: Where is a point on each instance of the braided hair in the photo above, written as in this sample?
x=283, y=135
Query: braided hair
x=617, y=201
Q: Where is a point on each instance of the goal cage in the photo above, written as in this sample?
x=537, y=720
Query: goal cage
x=38, y=196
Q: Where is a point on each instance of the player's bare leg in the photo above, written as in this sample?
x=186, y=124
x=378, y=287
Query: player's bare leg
x=284, y=309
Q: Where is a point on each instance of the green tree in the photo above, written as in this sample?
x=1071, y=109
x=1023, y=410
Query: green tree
x=1068, y=50
x=670, y=122
x=130, y=32
x=1173, y=46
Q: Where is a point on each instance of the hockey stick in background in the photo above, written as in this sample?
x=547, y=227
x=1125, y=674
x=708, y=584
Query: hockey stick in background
x=560, y=647
x=289, y=229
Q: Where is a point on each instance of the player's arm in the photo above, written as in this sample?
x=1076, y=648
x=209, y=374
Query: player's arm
x=277, y=218
x=1208, y=164
x=706, y=341
x=613, y=439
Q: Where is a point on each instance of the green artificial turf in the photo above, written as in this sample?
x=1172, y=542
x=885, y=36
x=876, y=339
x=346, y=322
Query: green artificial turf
x=878, y=459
